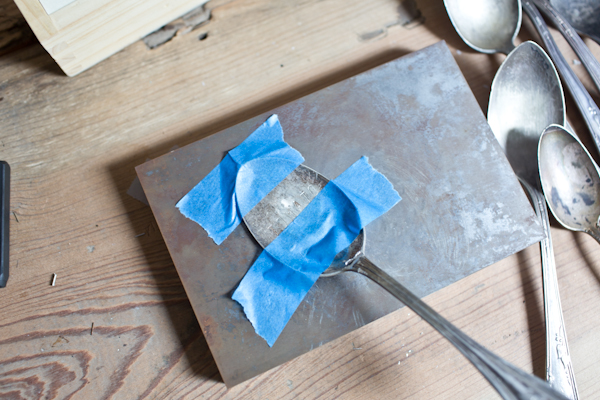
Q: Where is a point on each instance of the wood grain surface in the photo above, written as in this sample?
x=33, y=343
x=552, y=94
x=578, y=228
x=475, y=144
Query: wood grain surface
x=118, y=325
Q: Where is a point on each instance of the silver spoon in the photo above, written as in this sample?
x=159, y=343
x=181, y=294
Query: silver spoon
x=525, y=98
x=272, y=215
x=583, y=52
x=488, y=26
x=571, y=181
x=583, y=15
x=518, y=132
x=475, y=22
x=587, y=107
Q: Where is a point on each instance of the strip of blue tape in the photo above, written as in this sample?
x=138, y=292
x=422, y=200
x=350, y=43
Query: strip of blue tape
x=284, y=272
x=241, y=180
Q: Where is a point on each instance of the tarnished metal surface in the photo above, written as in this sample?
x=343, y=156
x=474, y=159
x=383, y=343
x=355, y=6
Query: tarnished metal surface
x=283, y=204
x=416, y=119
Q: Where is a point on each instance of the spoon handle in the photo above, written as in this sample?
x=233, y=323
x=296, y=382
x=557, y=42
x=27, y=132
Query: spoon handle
x=559, y=369
x=595, y=233
x=508, y=380
x=589, y=110
x=583, y=52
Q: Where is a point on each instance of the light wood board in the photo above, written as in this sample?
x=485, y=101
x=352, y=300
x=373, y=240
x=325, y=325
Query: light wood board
x=85, y=32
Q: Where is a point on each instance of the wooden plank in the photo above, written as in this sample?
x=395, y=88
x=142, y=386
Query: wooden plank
x=84, y=33
x=73, y=144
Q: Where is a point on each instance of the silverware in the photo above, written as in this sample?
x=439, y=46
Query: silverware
x=570, y=180
x=265, y=224
x=588, y=108
x=518, y=132
x=488, y=26
x=583, y=52
x=583, y=15
x=526, y=97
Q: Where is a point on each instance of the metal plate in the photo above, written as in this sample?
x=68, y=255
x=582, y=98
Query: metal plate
x=416, y=119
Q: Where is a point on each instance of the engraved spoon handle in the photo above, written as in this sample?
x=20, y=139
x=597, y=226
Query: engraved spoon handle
x=508, y=380
x=595, y=233
x=559, y=369
x=583, y=52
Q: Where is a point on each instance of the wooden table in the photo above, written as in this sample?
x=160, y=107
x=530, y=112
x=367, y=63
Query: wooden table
x=117, y=324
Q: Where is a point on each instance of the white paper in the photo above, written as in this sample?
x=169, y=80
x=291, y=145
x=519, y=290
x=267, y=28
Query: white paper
x=54, y=5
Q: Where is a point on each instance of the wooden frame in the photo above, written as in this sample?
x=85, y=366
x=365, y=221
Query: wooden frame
x=86, y=32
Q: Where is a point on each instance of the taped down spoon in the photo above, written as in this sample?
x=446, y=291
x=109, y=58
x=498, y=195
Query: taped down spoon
x=570, y=180
x=284, y=203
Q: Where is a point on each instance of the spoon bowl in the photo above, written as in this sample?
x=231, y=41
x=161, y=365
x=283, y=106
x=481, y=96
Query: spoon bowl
x=570, y=180
x=525, y=98
x=486, y=26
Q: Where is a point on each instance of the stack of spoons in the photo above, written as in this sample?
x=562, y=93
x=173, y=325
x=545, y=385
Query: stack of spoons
x=527, y=114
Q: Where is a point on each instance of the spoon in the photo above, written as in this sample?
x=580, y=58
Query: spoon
x=525, y=98
x=587, y=107
x=272, y=215
x=583, y=52
x=583, y=15
x=475, y=22
x=488, y=26
x=571, y=181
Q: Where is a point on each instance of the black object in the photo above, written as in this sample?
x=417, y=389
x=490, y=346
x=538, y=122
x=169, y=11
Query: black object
x=4, y=221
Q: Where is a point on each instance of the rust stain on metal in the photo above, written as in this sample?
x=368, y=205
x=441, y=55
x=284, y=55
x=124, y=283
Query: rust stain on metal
x=210, y=332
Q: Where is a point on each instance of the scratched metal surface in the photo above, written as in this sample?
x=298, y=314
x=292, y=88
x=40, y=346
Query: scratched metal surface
x=419, y=124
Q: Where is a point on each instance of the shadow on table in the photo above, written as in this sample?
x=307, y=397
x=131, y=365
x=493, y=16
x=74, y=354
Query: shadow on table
x=18, y=44
x=578, y=239
x=590, y=262
x=181, y=318
x=181, y=315
x=535, y=313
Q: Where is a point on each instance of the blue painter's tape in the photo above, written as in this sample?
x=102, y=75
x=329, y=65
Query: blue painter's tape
x=285, y=271
x=241, y=180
